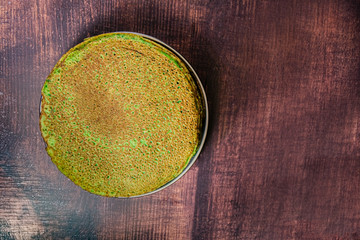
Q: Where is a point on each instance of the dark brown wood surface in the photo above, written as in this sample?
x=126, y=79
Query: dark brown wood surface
x=282, y=157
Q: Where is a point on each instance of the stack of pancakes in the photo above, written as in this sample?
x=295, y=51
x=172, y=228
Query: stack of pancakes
x=121, y=115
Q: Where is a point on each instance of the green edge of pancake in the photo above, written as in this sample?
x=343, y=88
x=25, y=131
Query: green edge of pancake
x=73, y=58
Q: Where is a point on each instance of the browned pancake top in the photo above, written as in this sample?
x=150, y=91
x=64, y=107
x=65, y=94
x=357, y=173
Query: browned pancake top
x=121, y=115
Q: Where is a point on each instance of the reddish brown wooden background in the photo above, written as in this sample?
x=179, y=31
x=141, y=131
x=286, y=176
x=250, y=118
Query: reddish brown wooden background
x=282, y=158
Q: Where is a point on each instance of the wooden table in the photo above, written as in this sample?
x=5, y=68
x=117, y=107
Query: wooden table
x=282, y=157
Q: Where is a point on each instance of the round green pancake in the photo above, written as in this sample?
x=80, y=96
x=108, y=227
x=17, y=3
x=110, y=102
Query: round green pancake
x=121, y=115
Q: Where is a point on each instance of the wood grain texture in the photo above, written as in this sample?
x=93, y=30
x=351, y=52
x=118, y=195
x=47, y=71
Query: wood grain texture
x=282, y=157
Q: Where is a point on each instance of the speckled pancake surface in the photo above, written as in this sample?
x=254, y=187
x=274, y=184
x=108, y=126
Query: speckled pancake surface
x=121, y=115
